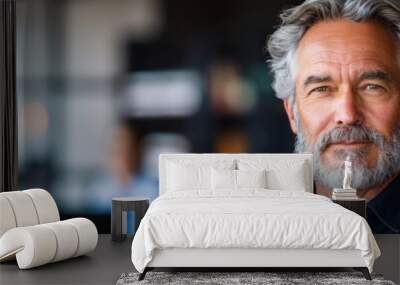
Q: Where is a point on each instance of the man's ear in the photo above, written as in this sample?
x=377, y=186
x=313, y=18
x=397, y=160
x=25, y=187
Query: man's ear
x=290, y=113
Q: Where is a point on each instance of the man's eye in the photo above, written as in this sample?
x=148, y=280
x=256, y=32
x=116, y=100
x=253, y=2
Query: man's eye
x=321, y=89
x=373, y=87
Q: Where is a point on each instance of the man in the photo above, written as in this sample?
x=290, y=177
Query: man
x=336, y=65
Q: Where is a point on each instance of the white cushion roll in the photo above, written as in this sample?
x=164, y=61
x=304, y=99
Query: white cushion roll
x=46, y=207
x=87, y=234
x=37, y=245
x=7, y=218
x=23, y=207
x=33, y=246
x=67, y=240
x=31, y=232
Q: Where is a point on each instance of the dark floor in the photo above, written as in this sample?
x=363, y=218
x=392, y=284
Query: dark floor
x=102, y=266
x=111, y=259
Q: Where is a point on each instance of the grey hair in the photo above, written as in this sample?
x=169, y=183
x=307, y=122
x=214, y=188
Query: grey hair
x=282, y=44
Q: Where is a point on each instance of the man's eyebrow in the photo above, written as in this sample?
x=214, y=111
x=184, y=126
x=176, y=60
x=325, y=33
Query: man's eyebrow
x=375, y=74
x=313, y=79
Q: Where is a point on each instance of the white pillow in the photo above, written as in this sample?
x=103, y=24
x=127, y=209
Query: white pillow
x=226, y=179
x=223, y=179
x=190, y=174
x=282, y=174
x=185, y=178
x=251, y=179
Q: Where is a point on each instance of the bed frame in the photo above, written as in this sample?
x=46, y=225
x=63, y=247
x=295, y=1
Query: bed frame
x=246, y=259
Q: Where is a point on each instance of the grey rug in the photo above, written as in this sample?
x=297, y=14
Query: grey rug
x=273, y=278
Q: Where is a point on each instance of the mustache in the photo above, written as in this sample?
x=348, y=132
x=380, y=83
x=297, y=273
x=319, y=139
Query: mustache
x=348, y=134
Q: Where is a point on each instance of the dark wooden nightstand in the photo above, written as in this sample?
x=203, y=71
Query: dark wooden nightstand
x=139, y=205
x=358, y=206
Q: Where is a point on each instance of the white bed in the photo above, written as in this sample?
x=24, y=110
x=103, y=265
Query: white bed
x=200, y=223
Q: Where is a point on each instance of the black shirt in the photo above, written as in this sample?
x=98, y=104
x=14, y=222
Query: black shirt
x=383, y=212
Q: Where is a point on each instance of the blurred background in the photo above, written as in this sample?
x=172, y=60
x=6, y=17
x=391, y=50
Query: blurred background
x=105, y=86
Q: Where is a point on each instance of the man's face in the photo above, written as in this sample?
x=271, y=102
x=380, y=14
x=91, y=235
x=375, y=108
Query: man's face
x=347, y=80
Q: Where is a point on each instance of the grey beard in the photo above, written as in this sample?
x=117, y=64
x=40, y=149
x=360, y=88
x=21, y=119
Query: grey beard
x=331, y=176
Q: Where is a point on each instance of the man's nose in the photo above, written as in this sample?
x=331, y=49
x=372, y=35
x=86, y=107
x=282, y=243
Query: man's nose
x=348, y=111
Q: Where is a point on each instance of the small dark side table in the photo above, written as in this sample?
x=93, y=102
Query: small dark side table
x=358, y=206
x=139, y=205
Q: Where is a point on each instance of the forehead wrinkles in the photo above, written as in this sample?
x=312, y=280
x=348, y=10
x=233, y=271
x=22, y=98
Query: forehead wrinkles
x=330, y=63
x=310, y=56
x=343, y=41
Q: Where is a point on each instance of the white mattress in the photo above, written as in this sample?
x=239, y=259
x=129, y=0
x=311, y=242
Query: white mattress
x=250, y=219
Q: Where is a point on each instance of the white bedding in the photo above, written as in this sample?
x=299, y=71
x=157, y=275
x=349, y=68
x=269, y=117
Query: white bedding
x=250, y=218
